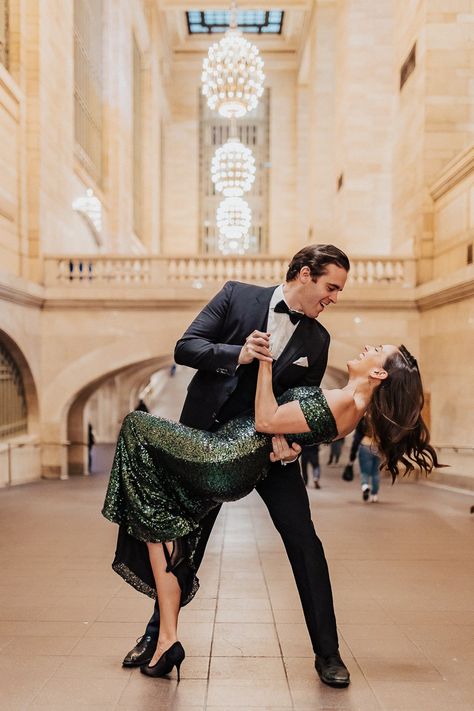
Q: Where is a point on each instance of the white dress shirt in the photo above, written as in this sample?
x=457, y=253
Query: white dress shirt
x=279, y=326
x=281, y=329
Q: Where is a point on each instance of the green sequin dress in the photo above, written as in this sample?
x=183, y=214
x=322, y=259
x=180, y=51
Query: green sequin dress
x=166, y=477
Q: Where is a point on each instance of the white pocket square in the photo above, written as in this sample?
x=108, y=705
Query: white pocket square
x=302, y=361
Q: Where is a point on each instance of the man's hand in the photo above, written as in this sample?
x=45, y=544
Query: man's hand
x=282, y=452
x=257, y=345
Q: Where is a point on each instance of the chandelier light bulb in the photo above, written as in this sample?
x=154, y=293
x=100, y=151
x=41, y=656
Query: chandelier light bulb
x=232, y=76
x=233, y=246
x=233, y=168
x=233, y=218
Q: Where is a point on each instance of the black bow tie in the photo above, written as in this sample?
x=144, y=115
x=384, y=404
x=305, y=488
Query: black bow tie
x=282, y=308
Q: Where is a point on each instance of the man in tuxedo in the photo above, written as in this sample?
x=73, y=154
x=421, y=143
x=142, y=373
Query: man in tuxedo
x=224, y=344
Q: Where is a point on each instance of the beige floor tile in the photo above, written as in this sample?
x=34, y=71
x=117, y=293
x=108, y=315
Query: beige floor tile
x=22, y=678
x=17, y=613
x=464, y=636
x=243, y=589
x=115, y=629
x=286, y=616
x=395, y=648
x=284, y=601
x=245, y=639
x=240, y=683
x=308, y=691
x=40, y=646
x=196, y=638
x=294, y=640
x=82, y=667
x=137, y=609
x=413, y=696
x=149, y=704
x=242, y=603
x=191, y=614
x=4, y=642
x=360, y=632
x=116, y=647
x=250, y=708
x=164, y=693
x=244, y=616
x=398, y=670
x=39, y=628
x=82, y=692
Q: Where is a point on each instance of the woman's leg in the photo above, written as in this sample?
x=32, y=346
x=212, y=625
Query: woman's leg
x=169, y=598
x=375, y=475
x=365, y=468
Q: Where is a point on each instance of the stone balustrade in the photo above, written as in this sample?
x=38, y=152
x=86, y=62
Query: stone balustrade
x=201, y=271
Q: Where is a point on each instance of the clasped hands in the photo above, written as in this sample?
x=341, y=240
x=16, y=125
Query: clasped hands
x=257, y=346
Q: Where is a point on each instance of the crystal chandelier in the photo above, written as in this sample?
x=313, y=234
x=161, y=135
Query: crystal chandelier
x=233, y=168
x=233, y=217
x=233, y=246
x=232, y=76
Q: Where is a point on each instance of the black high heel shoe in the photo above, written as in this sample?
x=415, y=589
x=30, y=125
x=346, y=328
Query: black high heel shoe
x=173, y=657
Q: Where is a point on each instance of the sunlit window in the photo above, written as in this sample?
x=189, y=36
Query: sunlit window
x=254, y=21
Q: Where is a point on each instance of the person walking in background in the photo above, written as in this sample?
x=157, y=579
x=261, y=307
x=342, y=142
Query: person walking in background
x=90, y=444
x=369, y=460
x=335, y=449
x=310, y=468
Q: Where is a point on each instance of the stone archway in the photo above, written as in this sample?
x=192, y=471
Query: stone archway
x=31, y=393
x=77, y=449
x=19, y=452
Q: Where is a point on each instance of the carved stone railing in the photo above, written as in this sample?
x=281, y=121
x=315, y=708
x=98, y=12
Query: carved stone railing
x=198, y=272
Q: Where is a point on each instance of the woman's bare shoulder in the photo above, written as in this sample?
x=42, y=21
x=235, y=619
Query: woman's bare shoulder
x=339, y=401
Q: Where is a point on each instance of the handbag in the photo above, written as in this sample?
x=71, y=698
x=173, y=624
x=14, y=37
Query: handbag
x=348, y=473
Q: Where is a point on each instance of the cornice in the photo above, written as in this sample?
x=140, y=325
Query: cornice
x=455, y=171
x=187, y=298
x=159, y=303
x=451, y=288
x=29, y=295
x=448, y=290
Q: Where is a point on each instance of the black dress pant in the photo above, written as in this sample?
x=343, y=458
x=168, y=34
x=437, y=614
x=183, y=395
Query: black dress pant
x=285, y=496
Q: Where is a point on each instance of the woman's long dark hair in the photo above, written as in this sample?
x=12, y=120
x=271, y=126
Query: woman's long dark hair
x=394, y=413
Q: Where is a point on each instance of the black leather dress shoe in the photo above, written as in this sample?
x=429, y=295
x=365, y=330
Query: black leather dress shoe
x=333, y=671
x=141, y=653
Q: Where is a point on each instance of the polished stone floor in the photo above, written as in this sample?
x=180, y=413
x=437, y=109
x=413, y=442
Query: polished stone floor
x=403, y=579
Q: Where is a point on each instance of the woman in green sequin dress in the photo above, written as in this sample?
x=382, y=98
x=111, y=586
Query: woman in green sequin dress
x=166, y=477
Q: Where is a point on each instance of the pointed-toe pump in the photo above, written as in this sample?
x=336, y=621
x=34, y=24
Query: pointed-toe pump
x=173, y=657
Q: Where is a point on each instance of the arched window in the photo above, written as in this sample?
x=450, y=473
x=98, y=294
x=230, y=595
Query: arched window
x=13, y=412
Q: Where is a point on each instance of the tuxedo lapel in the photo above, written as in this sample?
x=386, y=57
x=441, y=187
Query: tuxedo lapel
x=301, y=343
x=257, y=312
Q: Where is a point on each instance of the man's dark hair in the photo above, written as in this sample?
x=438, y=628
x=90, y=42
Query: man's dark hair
x=317, y=257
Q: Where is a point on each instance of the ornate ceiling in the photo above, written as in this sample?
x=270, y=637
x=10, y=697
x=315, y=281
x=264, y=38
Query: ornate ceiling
x=284, y=47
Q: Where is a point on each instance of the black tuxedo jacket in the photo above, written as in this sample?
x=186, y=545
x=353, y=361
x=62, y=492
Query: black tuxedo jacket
x=220, y=391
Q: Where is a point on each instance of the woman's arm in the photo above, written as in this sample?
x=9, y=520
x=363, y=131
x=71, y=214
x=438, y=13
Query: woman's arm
x=271, y=417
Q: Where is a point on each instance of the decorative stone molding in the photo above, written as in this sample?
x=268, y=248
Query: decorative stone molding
x=449, y=289
x=455, y=171
x=19, y=291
